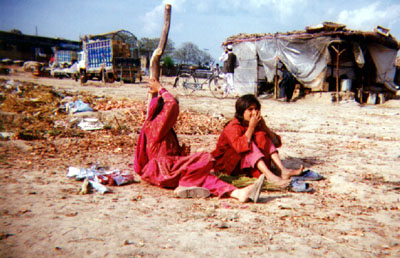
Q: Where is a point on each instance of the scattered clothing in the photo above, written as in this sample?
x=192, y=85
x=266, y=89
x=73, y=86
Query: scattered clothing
x=99, y=187
x=98, y=176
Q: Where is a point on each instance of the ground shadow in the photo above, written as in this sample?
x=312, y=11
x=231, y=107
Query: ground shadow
x=294, y=163
x=305, y=161
x=394, y=186
x=271, y=198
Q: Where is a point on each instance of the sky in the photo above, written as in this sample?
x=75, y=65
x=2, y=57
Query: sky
x=206, y=23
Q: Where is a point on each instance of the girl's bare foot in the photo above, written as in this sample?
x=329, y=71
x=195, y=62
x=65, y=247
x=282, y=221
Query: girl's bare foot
x=288, y=173
x=249, y=192
x=242, y=194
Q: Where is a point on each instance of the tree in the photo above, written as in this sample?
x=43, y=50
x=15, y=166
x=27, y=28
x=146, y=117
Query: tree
x=148, y=45
x=168, y=62
x=206, y=58
x=167, y=65
x=190, y=53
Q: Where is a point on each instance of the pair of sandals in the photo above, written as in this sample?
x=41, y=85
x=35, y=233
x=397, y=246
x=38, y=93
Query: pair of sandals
x=298, y=183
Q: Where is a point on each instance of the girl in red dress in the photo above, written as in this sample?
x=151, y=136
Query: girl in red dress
x=161, y=161
x=247, y=146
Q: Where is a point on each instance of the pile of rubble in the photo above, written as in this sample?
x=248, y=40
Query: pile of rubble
x=29, y=111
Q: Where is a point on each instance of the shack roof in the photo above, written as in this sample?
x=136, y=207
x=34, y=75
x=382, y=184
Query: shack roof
x=326, y=29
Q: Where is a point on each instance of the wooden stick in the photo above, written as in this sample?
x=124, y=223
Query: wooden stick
x=276, y=79
x=155, y=58
x=338, y=53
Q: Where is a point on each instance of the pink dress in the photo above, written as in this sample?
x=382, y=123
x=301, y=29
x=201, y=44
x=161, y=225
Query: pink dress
x=158, y=157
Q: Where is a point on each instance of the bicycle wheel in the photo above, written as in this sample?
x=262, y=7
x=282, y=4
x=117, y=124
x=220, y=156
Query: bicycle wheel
x=215, y=85
x=187, y=82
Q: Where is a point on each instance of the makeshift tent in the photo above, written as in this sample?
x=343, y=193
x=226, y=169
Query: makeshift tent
x=316, y=54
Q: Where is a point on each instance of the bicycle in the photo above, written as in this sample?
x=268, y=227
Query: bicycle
x=192, y=79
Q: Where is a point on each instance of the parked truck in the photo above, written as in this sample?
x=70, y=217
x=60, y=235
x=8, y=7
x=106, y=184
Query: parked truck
x=63, y=63
x=64, y=58
x=107, y=59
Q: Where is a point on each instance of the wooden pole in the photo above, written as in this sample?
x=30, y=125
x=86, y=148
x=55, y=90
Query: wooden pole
x=276, y=79
x=155, y=58
x=338, y=53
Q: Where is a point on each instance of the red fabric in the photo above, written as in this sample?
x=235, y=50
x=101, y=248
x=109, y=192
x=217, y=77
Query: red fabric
x=232, y=147
x=141, y=157
x=158, y=160
x=216, y=186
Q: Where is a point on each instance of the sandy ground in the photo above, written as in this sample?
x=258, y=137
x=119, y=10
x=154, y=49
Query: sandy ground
x=353, y=213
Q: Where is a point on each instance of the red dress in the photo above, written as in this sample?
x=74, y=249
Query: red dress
x=158, y=157
x=233, y=146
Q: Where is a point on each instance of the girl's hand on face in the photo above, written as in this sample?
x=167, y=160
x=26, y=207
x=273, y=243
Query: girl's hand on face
x=255, y=117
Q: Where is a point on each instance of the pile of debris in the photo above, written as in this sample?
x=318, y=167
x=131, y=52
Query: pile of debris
x=29, y=111
x=189, y=122
x=193, y=123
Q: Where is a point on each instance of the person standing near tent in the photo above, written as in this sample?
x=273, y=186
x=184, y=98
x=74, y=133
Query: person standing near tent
x=161, y=161
x=287, y=85
x=247, y=146
x=228, y=69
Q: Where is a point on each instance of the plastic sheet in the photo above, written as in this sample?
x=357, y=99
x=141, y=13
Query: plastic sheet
x=384, y=59
x=77, y=106
x=305, y=58
x=90, y=124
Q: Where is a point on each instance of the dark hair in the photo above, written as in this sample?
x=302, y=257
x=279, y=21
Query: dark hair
x=159, y=107
x=243, y=103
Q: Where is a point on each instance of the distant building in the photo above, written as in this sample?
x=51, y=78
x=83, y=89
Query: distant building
x=17, y=46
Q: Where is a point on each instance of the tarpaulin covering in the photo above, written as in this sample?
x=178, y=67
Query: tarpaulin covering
x=305, y=57
x=246, y=73
x=384, y=59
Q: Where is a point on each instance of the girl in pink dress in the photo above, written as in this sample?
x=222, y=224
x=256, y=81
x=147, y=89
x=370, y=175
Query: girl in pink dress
x=160, y=160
